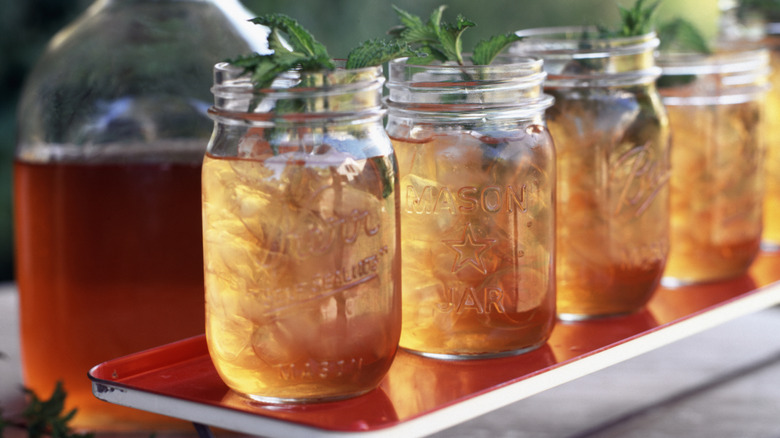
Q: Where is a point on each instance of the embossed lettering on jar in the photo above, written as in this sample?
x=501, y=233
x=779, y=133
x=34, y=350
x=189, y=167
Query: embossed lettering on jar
x=612, y=138
x=716, y=107
x=477, y=172
x=301, y=243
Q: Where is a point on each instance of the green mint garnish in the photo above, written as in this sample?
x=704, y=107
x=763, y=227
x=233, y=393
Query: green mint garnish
x=45, y=418
x=640, y=20
x=441, y=41
x=680, y=34
x=486, y=50
x=376, y=51
x=635, y=21
x=768, y=9
x=294, y=48
x=312, y=54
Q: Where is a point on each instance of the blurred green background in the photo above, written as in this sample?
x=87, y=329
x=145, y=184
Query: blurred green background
x=340, y=24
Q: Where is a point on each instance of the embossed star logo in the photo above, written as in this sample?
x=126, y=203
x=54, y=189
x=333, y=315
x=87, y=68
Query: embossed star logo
x=469, y=250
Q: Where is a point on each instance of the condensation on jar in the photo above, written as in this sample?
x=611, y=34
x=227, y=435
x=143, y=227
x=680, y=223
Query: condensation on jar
x=301, y=239
x=612, y=138
x=477, y=185
x=716, y=106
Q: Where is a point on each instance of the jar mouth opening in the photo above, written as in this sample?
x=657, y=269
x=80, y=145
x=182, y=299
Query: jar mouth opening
x=502, y=63
x=228, y=77
x=724, y=62
x=507, y=72
x=511, y=81
x=324, y=91
x=572, y=59
x=576, y=41
x=725, y=77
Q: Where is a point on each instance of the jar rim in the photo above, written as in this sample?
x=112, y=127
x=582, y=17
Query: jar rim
x=512, y=87
x=723, y=62
x=569, y=40
x=502, y=62
x=326, y=93
x=231, y=77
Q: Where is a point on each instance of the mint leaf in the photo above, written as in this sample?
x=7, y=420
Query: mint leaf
x=411, y=28
x=680, y=34
x=413, y=31
x=634, y=21
x=299, y=38
x=424, y=57
x=442, y=41
x=293, y=48
x=45, y=417
x=450, y=38
x=486, y=51
x=375, y=52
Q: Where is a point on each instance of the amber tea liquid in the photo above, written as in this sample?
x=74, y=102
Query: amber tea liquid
x=477, y=242
x=301, y=268
x=109, y=262
x=717, y=191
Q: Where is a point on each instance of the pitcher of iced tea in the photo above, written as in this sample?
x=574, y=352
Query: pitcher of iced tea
x=716, y=106
x=112, y=128
x=301, y=239
x=612, y=138
x=477, y=173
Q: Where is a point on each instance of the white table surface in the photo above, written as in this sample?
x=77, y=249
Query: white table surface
x=724, y=382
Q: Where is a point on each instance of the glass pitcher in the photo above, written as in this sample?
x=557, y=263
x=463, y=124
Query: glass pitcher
x=112, y=128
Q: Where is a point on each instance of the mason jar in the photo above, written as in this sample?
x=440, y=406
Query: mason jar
x=771, y=233
x=612, y=137
x=301, y=239
x=477, y=173
x=716, y=112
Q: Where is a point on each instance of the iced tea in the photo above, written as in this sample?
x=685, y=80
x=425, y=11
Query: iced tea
x=477, y=182
x=612, y=202
x=301, y=268
x=477, y=241
x=716, y=197
x=716, y=110
x=771, y=231
x=612, y=139
x=109, y=257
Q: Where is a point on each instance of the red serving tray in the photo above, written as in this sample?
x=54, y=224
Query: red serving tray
x=420, y=396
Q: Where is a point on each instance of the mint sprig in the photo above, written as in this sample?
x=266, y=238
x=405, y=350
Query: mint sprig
x=486, y=50
x=442, y=41
x=377, y=51
x=45, y=418
x=680, y=34
x=294, y=48
x=634, y=21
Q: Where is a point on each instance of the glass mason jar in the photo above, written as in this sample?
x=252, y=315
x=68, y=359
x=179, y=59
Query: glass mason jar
x=112, y=128
x=771, y=234
x=477, y=172
x=716, y=113
x=301, y=239
x=612, y=137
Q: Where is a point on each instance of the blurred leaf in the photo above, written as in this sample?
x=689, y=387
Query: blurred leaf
x=375, y=52
x=681, y=35
x=486, y=50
